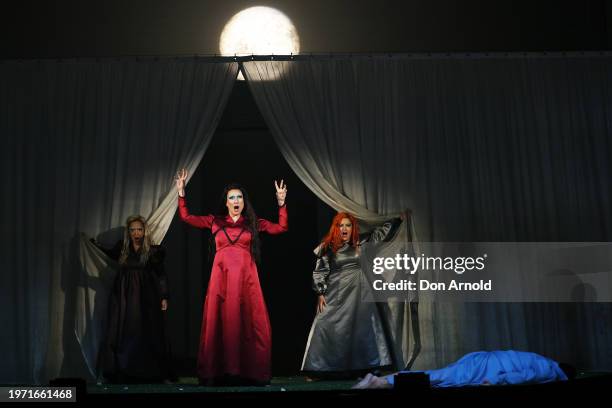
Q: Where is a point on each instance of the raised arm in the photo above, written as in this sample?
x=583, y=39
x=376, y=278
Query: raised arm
x=388, y=230
x=283, y=222
x=112, y=253
x=275, y=228
x=199, y=221
x=384, y=232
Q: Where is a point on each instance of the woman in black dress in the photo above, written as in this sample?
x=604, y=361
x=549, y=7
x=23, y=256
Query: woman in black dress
x=135, y=348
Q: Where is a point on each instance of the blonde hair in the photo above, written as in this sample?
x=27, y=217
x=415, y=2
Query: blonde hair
x=145, y=250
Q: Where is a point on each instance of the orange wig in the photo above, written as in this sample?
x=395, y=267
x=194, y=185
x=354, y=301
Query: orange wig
x=333, y=239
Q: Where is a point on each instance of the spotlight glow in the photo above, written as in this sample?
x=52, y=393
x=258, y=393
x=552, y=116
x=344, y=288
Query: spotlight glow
x=261, y=31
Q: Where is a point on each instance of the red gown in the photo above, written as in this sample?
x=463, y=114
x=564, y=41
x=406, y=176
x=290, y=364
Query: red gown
x=236, y=337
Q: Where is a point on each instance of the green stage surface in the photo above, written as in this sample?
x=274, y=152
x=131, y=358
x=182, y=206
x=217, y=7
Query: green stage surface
x=190, y=385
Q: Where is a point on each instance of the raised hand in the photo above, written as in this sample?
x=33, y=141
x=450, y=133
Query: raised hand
x=281, y=192
x=181, y=180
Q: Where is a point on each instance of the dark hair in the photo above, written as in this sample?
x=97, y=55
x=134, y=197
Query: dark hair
x=569, y=370
x=250, y=220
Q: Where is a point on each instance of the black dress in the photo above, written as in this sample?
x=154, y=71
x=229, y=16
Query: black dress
x=135, y=348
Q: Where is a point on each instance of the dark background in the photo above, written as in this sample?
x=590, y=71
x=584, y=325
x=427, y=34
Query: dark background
x=242, y=149
x=77, y=28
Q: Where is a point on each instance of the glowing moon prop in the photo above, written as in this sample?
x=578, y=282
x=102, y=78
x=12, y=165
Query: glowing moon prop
x=259, y=31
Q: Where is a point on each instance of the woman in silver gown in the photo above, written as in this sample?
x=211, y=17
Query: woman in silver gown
x=347, y=335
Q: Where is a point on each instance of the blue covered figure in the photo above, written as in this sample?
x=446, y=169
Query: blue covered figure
x=485, y=368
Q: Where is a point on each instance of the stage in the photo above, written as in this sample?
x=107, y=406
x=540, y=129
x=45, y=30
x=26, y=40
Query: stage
x=584, y=388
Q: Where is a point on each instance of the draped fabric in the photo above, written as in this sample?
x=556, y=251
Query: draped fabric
x=498, y=148
x=500, y=367
x=86, y=144
x=314, y=117
x=482, y=148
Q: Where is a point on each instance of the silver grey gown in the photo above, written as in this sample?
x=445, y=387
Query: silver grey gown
x=348, y=335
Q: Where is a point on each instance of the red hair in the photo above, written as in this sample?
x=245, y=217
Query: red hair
x=333, y=239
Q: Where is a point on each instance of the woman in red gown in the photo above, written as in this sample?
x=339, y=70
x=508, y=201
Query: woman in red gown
x=235, y=340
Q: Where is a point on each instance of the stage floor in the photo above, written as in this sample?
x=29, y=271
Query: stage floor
x=190, y=385
x=584, y=388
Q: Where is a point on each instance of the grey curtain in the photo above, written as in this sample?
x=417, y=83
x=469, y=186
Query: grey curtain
x=85, y=144
x=482, y=148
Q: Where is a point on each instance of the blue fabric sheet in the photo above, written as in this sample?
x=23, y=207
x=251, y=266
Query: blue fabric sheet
x=495, y=368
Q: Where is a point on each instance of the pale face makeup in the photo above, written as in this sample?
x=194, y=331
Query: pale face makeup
x=234, y=203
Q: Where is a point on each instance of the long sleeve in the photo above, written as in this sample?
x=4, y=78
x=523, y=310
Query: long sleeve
x=113, y=253
x=157, y=265
x=199, y=221
x=385, y=232
x=320, y=275
x=273, y=228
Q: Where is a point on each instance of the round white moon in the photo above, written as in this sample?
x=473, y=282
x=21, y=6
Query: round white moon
x=260, y=31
